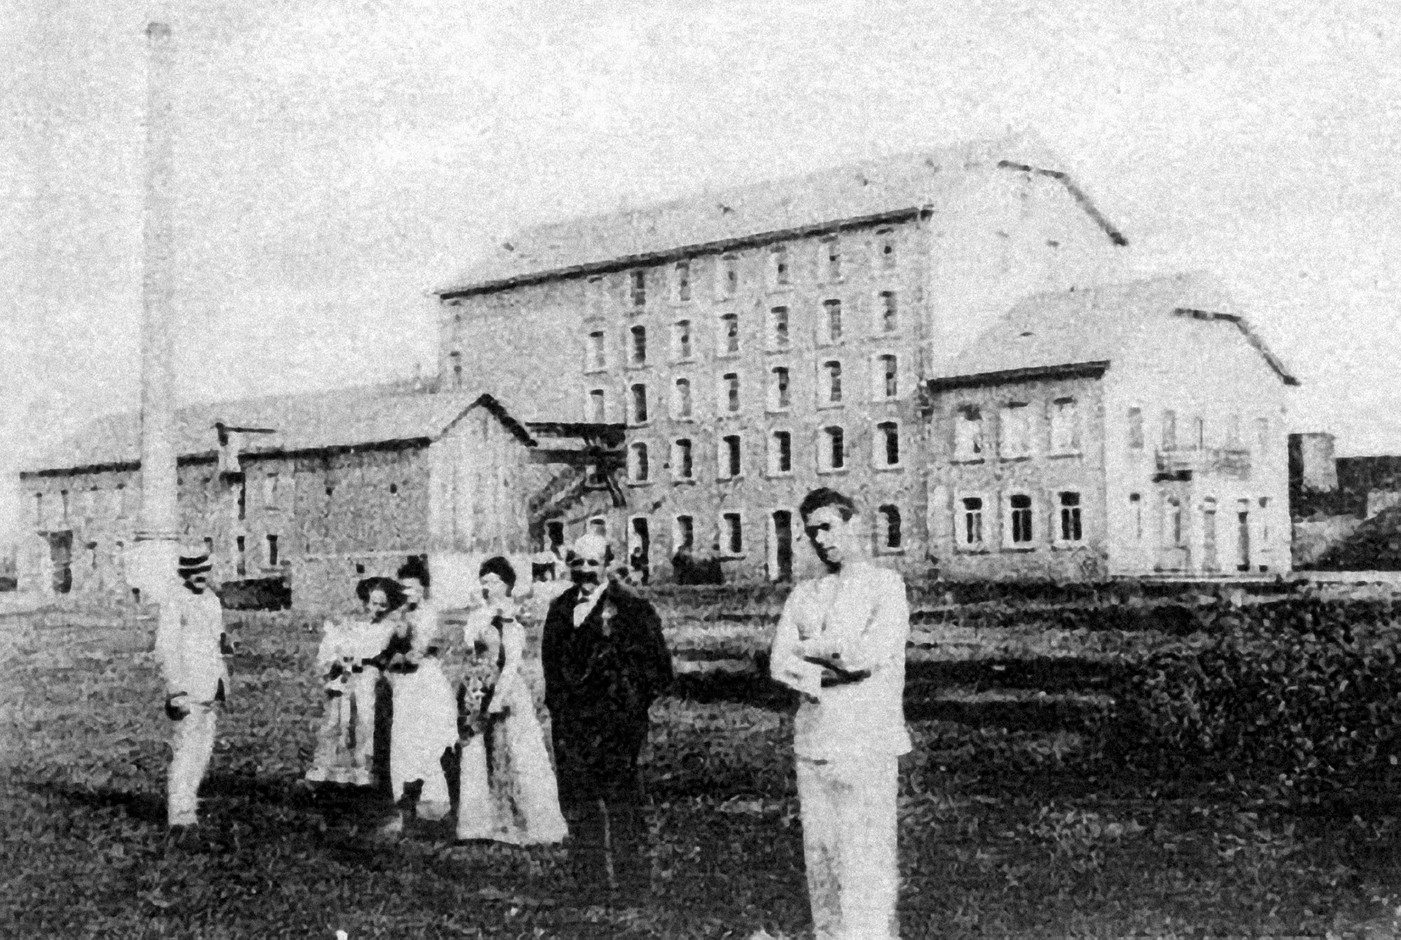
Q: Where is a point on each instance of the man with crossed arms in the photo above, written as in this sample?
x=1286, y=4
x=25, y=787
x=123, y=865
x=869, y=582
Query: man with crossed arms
x=840, y=644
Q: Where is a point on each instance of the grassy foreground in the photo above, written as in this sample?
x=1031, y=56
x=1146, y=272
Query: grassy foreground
x=1006, y=831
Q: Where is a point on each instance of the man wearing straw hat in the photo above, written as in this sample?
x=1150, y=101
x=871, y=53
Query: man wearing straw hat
x=190, y=647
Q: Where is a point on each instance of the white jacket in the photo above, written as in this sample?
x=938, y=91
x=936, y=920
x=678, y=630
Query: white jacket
x=187, y=645
x=861, y=619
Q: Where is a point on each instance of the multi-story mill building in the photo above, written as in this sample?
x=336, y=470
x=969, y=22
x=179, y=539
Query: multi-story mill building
x=764, y=340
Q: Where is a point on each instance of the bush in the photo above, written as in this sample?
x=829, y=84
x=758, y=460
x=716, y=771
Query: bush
x=1302, y=696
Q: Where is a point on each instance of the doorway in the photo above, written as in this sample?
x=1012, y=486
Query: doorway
x=782, y=559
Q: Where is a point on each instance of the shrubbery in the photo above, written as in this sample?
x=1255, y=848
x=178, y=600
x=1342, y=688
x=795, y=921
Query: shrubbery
x=1301, y=696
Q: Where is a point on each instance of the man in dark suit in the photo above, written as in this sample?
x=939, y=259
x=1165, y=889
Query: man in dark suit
x=605, y=662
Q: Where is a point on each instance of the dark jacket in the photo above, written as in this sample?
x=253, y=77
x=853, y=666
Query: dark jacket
x=613, y=664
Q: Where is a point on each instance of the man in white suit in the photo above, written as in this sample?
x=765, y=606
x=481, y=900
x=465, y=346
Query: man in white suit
x=190, y=647
x=841, y=644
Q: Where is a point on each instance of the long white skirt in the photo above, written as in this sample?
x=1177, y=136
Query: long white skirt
x=424, y=726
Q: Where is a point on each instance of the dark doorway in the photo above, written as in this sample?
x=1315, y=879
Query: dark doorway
x=782, y=546
x=61, y=558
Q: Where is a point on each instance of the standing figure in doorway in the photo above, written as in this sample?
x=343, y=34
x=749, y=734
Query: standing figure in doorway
x=425, y=715
x=190, y=648
x=508, y=791
x=840, y=643
x=605, y=663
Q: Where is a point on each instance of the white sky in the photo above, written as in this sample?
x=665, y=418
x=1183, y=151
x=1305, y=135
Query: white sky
x=337, y=159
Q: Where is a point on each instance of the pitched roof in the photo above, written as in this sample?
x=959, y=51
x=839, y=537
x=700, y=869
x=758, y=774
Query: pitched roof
x=1093, y=327
x=862, y=191
x=346, y=417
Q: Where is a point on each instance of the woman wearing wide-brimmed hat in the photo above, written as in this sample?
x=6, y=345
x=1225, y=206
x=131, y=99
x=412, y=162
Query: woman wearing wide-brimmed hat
x=349, y=667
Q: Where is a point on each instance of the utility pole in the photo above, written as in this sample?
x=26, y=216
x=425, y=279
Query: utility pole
x=152, y=570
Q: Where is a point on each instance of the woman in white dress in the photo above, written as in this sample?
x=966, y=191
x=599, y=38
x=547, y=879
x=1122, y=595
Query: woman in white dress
x=425, y=714
x=508, y=791
x=347, y=665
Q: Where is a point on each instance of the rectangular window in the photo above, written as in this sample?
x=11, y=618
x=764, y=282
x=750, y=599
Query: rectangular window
x=1136, y=515
x=730, y=453
x=778, y=328
x=971, y=531
x=1172, y=522
x=1019, y=514
x=270, y=490
x=832, y=320
x=639, y=466
x=241, y=557
x=832, y=257
x=39, y=510
x=779, y=399
x=682, y=466
x=683, y=281
x=1016, y=429
x=886, y=376
x=595, y=296
x=1233, y=431
x=1065, y=426
x=728, y=276
x=889, y=312
x=733, y=525
x=597, y=406
x=272, y=551
x=1169, y=430
x=885, y=248
x=832, y=382
x=729, y=388
x=1070, y=529
x=681, y=339
x=683, y=533
x=639, y=345
x=1198, y=432
x=887, y=443
x=889, y=537
x=781, y=452
x=681, y=399
x=729, y=333
x=597, y=357
x=1262, y=434
x=639, y=403
x=638, y=284
x=1136, y=428
x=832, y=454
x=778, y=265
x=968, y=433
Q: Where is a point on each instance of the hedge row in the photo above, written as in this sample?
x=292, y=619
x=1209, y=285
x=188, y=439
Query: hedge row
x=1302, y=697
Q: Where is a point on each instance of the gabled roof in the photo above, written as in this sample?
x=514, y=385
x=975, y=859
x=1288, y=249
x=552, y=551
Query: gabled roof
x=337, y=419
x=1089, y=328
x=869, y=191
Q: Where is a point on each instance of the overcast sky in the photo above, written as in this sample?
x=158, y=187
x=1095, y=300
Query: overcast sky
x=335, y=160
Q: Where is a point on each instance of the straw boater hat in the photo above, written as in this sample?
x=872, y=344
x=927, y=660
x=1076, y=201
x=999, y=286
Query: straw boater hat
x=194, y=562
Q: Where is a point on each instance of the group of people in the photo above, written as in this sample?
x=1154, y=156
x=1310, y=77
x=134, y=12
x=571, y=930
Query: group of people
x=839, y=644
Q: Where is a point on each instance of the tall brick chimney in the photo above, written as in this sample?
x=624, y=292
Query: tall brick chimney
x=152, y=568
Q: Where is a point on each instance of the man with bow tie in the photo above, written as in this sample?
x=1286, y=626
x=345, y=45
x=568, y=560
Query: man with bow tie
x=605, y=662
x=840, y=643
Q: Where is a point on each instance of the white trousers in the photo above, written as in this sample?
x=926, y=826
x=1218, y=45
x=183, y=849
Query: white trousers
x=192, y=743
x=847, y=808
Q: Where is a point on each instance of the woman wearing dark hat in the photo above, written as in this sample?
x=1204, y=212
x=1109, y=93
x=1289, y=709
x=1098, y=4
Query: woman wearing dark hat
x=425, y=715
x=349, y=669
x=512, y=796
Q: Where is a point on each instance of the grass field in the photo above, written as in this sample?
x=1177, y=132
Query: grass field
x=1009, y=826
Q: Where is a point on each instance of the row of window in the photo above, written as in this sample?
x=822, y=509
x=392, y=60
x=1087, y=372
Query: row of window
x=271, y=552
x=1016, y=430
x=833, y=263
x=1019, y=518
x=731, y=536
x=1193, y=435
x=832, y=327
x=832, y=453
x=831, y=391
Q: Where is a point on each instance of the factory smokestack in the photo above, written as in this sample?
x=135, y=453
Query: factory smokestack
x=153, y=567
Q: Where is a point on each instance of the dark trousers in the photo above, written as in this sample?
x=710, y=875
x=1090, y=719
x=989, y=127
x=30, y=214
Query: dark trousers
x=600, y=792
